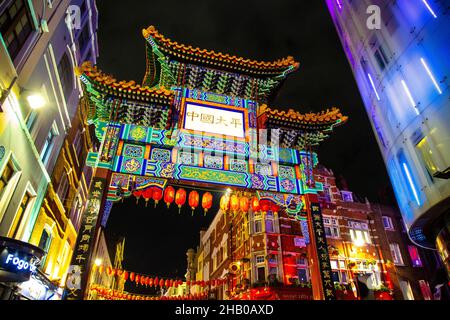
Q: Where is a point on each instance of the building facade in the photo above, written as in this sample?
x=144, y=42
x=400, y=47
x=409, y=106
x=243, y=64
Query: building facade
x=42, y=43
x=263, y=254
x=398, y=53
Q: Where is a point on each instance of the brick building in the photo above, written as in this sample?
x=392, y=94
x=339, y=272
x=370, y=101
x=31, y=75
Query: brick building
x=264, y=254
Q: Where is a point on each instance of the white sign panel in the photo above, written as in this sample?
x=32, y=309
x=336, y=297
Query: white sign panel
x=214, y=120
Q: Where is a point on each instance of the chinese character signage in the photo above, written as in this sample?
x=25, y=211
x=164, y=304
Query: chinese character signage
x=322, y=252
x=229, y=121
x=77, y=277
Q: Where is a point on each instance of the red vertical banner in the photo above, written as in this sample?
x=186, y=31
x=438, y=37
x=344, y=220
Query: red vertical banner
x=78, y=270
x=318, y=251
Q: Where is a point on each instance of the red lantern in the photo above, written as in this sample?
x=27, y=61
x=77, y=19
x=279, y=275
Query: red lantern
x=100, y=269
x=150, y=282
x=109, y=270
x=225, y=203
x=234, y=203
x=157, y=195
x=169, y=195
x=137, y=279
x=161, y=283
x=132, y=276
x=188, y=283
x=166, y=283
x=171, y=282
x=207, y=201
x=193, y=200
x=264, y=205
x=137, y=194
x=274, y=207
x=156, y=282
x=180, y=198
x=244, y=204
x=255, y=204
x=125, y=275
x=143, y=280
x=147, y=194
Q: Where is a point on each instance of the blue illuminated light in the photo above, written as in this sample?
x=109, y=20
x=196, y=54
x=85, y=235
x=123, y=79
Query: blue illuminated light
x=429, y=8
x=413, y=188
x=430, y=74
x=408, y=93
x=373, y=86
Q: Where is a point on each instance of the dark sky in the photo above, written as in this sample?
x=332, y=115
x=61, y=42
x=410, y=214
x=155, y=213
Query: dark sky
x=255, y=29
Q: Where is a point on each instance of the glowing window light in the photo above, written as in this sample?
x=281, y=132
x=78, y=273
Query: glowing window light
x=431, y=75
x=429, y=8
x=373, y=86
x=408, y=175
x=408, y=93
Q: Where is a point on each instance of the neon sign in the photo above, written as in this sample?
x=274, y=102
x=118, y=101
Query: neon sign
x=20, y=264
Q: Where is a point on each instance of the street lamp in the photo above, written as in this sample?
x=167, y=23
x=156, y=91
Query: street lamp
x=36, y=101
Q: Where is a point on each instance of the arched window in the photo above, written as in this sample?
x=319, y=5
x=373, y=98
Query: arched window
x=65, y=71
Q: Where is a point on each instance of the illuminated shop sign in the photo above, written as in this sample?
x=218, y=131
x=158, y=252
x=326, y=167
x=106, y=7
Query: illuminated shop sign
x=215, y=119
x=18, y=260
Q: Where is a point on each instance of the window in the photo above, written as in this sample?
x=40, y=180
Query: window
x=6, y=175
x=44, y=244
x=259, y=259
x=415, y=257
x=301, y=261
x=77, y=143
x=331, y=227
x=63, y=187
x=387, y=223
x=347, y=196
x=406, y=290
x=426, y=155
x=261, y=273
x=302, y=275
x=258, y=226
x=327, y=193
x=31, y=119
x=425, y=288
x=396, y=254
x=15, y=26
x=269, y=225
x=65, y=72
x=48, y=144
x=83, y=39
x=19, y=215
x=359, y=233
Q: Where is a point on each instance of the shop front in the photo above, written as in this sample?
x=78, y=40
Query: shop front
x=18, y=262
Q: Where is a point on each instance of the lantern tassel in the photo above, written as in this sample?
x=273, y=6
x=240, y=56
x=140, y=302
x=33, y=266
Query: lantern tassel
x=192, y=212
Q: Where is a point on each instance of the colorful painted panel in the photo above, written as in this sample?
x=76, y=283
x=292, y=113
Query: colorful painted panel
x=131, y=165
x=133, y=151
x=239, y=165
x=159, y=154
x=211, y=143
x=214, y=162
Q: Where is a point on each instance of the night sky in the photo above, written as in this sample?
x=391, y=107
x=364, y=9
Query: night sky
x=157, y=239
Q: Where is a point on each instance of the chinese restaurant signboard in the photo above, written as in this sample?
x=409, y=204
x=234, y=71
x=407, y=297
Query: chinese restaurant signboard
x=322, y=252
x=215, y=119
x=77, y=275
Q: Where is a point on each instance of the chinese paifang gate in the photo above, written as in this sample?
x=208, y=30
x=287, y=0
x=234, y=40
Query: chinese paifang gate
x=199, y=117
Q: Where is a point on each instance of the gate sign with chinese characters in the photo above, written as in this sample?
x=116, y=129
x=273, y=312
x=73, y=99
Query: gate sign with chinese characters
x=215, y=118
x=322, y=252
x=77, y=277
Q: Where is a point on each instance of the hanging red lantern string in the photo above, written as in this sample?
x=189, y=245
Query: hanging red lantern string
x=225, y=203
x=143, y=280
x=109, y=270
x=147, y=194
x=234, y=203
x=137, y=194
x=161, y=283
x=150, y=282
x=193, y=200
x=156, y=282
x=180, y=198
x=169, y=195
x=244, y=204
x=166, y=283
x=264, y=205
x=207, y=201
x=255, y=204
x=132, y=276
x=137, y=279
x=125, y=275
x=157, y=195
